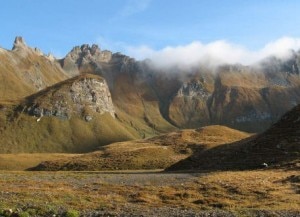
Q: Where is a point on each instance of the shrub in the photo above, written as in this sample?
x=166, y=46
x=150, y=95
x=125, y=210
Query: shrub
x=72, y=213
x=23, y=214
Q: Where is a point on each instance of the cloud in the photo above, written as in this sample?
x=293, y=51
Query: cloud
x=135, y=6
x=214, y=53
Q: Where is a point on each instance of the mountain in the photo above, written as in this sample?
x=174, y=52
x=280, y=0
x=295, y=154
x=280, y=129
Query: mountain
x=25, y=70
x=249, y=98
x=75, y=115
x=128, y=84
x=158, y=152
x=278, y=147
x=144, y=100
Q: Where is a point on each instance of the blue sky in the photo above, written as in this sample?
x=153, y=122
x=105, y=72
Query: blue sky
x=123, y=25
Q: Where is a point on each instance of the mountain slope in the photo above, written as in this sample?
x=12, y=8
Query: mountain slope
x=250, y=98
x=127, y=82
x=146, y=100
x=76, y=115
x=279, y=146
x=24, y=71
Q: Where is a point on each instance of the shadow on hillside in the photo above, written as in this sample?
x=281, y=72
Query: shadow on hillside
x=250, y=153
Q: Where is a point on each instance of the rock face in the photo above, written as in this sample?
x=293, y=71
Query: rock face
x=85, y=58
x=93, y=93
x=79, y=96
x=188, y=107
x=194, y=88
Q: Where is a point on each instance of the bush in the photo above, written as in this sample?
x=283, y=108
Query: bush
x=72, y=213
x=24, y=214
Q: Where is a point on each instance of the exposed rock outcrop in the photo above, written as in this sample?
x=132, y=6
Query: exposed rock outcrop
x=193, y=88
x=93, y=93
x=189, y=107
x=80, y=96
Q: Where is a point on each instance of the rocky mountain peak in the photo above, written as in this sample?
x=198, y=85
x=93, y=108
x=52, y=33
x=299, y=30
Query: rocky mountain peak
x=19, y=43
x=23, y=49
x=85, y=58
x=85, y=51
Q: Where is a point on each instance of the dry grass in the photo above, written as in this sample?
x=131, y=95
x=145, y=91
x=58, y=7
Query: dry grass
x=24, y=75
x=278, y=147
x=19, y=162
x=52, y=135
x=234, y=191
x=154, y=153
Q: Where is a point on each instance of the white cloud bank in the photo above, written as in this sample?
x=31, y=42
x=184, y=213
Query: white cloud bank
x=214, y=53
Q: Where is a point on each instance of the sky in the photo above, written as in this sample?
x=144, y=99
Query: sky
x=241, y=30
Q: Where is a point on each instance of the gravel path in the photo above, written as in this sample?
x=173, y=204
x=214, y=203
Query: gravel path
x=126, y=178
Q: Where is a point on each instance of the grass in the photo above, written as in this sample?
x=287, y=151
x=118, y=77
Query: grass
x=17, y=162
x=21, y=76
x=238, y=192
x=53, y=135
x=279, y=146
x=158, y=152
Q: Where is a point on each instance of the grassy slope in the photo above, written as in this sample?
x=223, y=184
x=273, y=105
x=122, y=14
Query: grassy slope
x=22, y=133
x=154, y=153
x=22, y=75
x=54, y=135
x=278, y=147
x=133, y=96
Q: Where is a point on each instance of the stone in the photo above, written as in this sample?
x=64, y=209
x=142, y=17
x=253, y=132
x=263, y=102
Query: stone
x=61, y=115
x=264, y=165
x=88, y=118
x=37, y=111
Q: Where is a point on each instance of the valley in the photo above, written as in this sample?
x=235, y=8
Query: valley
x=97, y=133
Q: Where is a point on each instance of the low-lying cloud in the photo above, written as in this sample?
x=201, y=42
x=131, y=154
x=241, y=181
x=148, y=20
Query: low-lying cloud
x=214, y=53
